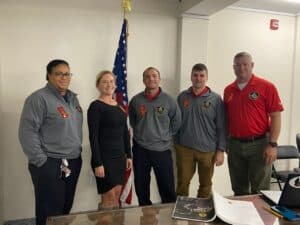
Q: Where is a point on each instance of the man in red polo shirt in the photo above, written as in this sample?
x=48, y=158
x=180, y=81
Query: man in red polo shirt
x=253, y=111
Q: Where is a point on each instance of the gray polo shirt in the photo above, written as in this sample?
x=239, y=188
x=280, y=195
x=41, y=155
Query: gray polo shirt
x=203, y=121
x=154, y=122
x=51, y=126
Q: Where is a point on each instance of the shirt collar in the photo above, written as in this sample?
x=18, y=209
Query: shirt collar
x=250, y=82
x=204, y=92
x=152, y=97
x=57, y=93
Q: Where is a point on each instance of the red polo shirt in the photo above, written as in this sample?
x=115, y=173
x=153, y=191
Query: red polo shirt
x=248, y=110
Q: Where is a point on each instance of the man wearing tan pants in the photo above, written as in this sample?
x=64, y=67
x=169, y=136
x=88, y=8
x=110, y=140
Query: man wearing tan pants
x=201, y=140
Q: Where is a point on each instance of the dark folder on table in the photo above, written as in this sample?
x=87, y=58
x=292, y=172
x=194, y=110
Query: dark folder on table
x=289, y=196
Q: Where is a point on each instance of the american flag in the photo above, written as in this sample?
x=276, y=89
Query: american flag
x=120, y=70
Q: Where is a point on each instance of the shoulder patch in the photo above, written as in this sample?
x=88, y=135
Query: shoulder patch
x=186, y=102
x=142, y=110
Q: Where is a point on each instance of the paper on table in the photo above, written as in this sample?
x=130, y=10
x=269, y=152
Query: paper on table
x=274, y=196
x=236, y=212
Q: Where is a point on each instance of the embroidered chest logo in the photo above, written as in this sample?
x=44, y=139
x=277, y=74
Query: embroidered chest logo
x=206, y=104
x=160, y=109
x=253, y=95
x=79, y=109
x=142, y=110
x=62, y=112
x=186, y=103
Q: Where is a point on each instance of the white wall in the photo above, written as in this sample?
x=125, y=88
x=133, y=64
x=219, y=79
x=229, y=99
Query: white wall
x=193, y=46
x=232, y=31
x=86, y=36
x=217, y=40
x=1, y=152
x=295, y=106
x=194, y=49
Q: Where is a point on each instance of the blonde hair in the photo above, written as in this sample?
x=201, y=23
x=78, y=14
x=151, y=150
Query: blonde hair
x=101, y=74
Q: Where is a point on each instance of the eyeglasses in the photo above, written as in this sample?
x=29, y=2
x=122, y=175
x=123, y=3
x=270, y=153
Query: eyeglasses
x=61, y=75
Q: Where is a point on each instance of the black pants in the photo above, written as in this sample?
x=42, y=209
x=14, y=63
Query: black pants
x=54, y=194
x=162, y=164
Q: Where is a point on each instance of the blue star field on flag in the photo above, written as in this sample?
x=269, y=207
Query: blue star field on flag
x=120, y=68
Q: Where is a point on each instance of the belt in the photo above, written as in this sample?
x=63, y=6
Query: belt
x=249, y=139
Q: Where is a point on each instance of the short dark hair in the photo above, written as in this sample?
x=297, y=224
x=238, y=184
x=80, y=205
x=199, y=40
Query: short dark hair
x=150, y=68
x=199, y=67
x=53, y=64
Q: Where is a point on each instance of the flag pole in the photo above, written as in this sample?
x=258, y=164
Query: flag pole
x=126, y=4
x=120, y=70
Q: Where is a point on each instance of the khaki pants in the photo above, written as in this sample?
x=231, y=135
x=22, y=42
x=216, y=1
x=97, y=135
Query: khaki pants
x=186, y=160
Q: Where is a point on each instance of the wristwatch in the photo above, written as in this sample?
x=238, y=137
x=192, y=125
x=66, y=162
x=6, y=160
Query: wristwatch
x=273, y=144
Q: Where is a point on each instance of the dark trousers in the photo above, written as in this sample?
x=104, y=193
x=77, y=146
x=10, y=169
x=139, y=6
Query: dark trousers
x=54, y=193
x=247, y=168
x=162, y=164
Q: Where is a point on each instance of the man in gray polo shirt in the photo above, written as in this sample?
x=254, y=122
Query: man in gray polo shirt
x=201, y=140
x=155, y=118
x=50, y=133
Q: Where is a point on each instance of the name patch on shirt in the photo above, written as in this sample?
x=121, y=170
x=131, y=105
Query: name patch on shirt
x=253, y=95
x=62, y=112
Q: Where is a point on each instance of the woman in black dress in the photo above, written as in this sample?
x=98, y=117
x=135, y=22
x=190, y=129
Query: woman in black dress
x=109, y=140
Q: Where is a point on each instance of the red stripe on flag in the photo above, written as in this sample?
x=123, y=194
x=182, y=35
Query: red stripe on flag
x=120, y=70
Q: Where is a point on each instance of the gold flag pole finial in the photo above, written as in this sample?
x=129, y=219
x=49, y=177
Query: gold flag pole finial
x=126, y=4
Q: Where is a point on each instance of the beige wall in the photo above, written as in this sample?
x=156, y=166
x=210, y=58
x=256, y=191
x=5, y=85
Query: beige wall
x=87, y=37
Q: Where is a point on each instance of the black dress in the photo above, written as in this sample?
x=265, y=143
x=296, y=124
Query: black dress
x=110, y=144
